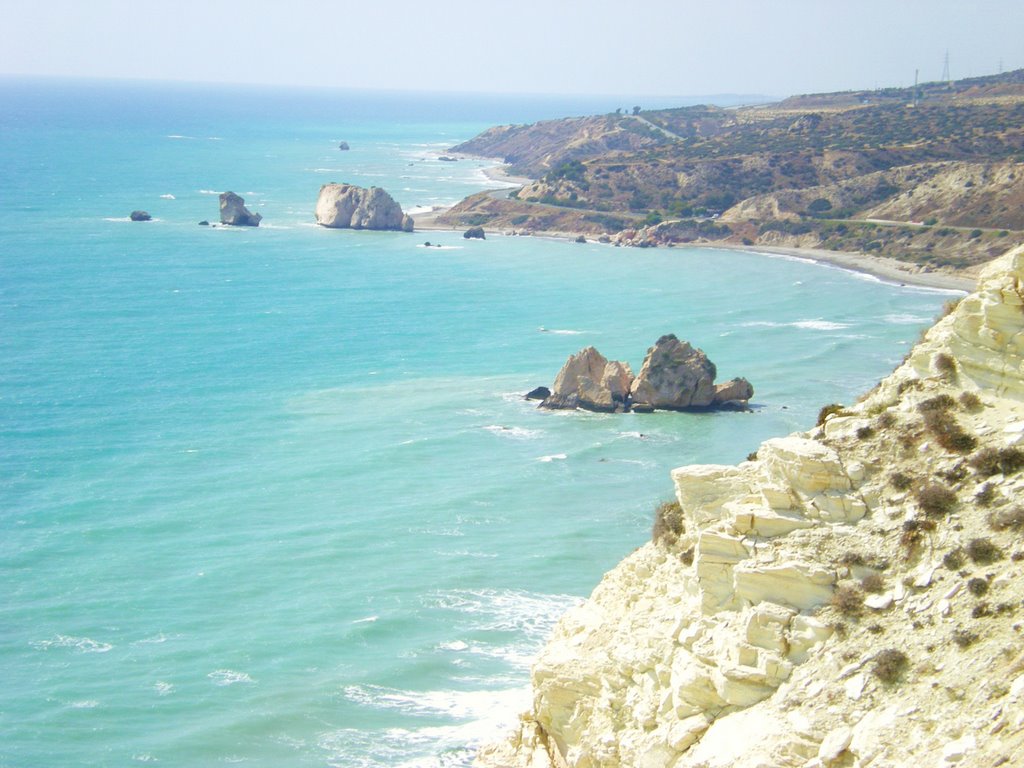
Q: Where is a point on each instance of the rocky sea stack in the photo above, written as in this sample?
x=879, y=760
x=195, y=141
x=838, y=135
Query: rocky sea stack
x=346, y=206
x=675, y=376
x=234, y=212
x=849, y=596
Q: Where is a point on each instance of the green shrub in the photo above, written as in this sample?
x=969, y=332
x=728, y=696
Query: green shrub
x=954, y=559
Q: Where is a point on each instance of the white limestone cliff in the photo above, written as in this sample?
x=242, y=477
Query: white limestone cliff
x=765, y=633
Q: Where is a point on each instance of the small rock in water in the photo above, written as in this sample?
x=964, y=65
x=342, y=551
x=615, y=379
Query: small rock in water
x=140, y=216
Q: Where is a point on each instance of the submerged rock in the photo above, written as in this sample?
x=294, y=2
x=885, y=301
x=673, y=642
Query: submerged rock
x=234, y=212
x=140, y=216
x=346, y=206
x=343, y=146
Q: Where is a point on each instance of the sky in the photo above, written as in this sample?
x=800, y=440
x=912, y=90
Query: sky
x=614, y=47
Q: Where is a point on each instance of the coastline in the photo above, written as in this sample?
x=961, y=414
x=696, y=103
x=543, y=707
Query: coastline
x=884, y=268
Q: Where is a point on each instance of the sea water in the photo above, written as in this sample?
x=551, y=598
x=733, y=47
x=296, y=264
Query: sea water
x=273, y=496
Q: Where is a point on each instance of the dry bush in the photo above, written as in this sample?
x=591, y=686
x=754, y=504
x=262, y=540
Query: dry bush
x=954, y=559
x=668, y=523
x=890, y=664
x=849, y=601
x=969, y=401
x=901, y=481
x=945, y=365
x=873, y=583
x=977, y=586
x=913, y=532
x=936, y=499
x=985, y=495
x=993, y=461
x=941, y=402
x=983, y=551
x=963, y=638
x=865, y=433
x=828, y=410
x=947, y=431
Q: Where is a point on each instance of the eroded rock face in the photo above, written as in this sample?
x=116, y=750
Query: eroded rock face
x=674, y=376
x=346, y=206
x=234, y=212
x=736, y=390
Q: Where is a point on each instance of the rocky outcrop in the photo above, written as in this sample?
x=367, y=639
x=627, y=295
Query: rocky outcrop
x=346, y=206
x=589, y=381
x=675, y=376
x=343, y=146
x=140, y=216
x=234, y=212
x=818, y=609
x=474, y=233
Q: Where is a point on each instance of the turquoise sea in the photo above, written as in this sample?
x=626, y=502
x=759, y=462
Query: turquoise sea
x=272, y=496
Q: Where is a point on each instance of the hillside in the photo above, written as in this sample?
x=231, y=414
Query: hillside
x=852, y=595
x=952, y=158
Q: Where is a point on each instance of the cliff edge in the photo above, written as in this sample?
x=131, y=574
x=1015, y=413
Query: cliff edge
x=853, y=596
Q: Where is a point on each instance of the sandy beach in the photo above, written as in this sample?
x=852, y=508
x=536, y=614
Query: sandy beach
x=881, y=267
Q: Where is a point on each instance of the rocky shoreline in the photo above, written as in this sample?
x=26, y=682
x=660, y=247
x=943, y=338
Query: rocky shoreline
x=888, y=269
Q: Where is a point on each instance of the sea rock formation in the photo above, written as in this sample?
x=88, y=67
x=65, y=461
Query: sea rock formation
x=588, y=380
x=343, y=146
x=675, y=376
x=822, y=605
x=234, y=212
x=476, y=233
x=140, y=216
x=345, y=206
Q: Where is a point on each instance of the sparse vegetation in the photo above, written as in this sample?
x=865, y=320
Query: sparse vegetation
x=970, y=402
x=901, y=481
x=936, y=499
x=865, y=432
x=963, y=638
x=668, y=523
x=872, y=583
x=977, y=586
x=848, y=600
x=829, y=410
x=954, y=559
x=945, y=365
x=991, y=461
x=983, y=552
x=889, y=665
x=985, y=495
x=947, y=432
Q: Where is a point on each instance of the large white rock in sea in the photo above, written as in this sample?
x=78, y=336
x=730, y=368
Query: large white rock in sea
x=346, y=206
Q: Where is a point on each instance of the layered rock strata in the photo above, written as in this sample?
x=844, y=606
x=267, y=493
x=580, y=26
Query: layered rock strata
x=346, y=206
x=823, y=605
x=234, y=213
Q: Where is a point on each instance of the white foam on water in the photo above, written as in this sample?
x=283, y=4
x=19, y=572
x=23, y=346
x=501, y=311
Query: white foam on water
x=814, y=324
x=179, y=136
x=561, y=331
x=85, y=704
x=515, y=433
x=366, y=620
x=208, y=192
x=80, y=644
x=229, y=677
x=906, y=319
x=168, y=197
x=455, y=645
x=552, y=457
x=162, y=688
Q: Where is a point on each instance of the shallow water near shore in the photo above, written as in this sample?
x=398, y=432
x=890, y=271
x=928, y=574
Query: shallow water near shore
x=272, y=496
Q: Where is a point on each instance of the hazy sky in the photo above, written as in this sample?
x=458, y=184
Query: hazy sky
x=641, y=47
